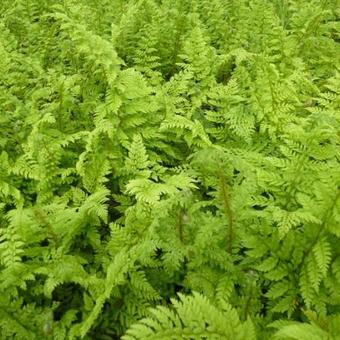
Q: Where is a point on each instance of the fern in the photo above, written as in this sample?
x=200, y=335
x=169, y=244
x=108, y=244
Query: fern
x=192, y=318
x=153, y=149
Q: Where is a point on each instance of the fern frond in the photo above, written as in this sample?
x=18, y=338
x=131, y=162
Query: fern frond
x=193, y=317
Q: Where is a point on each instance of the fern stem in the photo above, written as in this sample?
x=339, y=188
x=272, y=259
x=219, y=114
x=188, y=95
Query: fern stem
x=227, y=210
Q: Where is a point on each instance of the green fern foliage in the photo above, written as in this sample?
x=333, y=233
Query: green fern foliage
x=169, y=169
x=193, y=317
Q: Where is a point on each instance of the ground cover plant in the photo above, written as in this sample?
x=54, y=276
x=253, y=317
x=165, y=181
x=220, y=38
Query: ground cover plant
x=169, y=169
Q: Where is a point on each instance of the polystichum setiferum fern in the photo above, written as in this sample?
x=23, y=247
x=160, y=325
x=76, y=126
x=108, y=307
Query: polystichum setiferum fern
x=169, y=169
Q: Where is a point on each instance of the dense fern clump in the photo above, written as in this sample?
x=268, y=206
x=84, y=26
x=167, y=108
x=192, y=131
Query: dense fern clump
x=169, y=169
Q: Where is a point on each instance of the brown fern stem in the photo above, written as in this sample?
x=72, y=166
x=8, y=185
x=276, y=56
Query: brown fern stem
x=227, y=210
